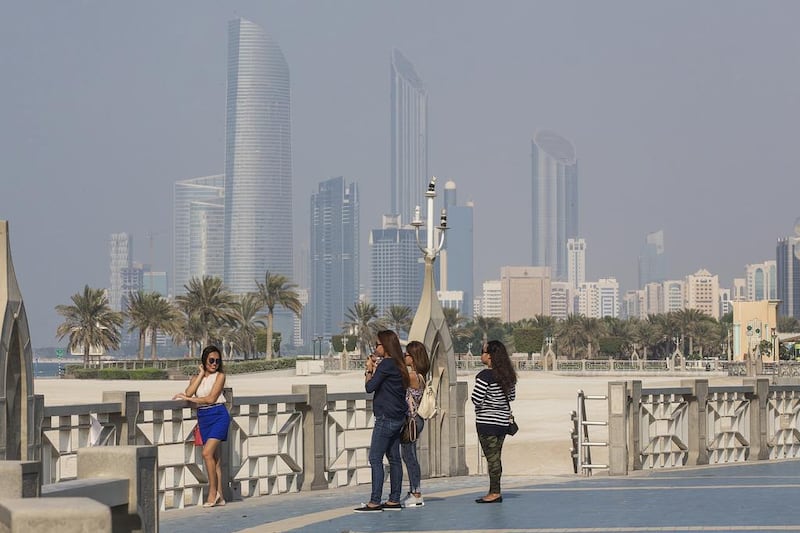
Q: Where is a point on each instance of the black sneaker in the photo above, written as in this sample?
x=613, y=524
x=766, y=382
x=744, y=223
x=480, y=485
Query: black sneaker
x=367, y=509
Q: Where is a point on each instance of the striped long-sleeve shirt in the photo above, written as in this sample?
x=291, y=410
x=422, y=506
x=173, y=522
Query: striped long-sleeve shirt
x=492, y=408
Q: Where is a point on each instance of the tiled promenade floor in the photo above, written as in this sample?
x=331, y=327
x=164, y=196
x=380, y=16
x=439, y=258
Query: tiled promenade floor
x=747, y=497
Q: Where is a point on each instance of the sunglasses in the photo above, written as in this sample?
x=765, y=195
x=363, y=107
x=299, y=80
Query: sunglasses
x=212, y=360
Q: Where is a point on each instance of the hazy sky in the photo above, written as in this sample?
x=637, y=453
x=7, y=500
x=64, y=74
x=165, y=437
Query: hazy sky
x=684, y=116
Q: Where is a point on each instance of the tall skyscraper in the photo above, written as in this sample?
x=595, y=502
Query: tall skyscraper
x=652, y=261
x=409, y=138
x=576, y=262
x=258, y=159
x=761, y=281
x=198, y=223
x=334, y=255
x=121, y=261
x=788, y=263
x=396, y=267
x=457, y=257
x=554, y=172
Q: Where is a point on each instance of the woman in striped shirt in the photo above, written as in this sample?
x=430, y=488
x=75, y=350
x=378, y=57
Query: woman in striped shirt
x=495, y=388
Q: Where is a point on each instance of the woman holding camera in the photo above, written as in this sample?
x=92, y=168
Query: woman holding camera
x=386, y=376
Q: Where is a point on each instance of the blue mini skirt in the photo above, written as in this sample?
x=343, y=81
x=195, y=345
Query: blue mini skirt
x=213, y=422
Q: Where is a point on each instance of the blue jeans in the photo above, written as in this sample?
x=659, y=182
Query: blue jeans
x=409, y=452
x=386, y=441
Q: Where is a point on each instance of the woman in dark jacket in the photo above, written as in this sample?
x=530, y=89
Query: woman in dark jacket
x=495, y=388
x=387, y=377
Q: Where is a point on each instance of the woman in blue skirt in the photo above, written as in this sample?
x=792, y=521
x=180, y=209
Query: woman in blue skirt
x=205, y=391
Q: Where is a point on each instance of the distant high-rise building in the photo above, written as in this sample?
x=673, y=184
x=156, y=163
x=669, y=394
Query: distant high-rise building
x=334, y=255
x=525, y=292
x=702, y=292
x=457, y=257
x=492, y=299
x=725, y=302
x=633, y=305
x=156, y=282
x=788, y=272
x=258, y=160
x=396, y=267
x=674, y=296
x=198, y=224
x=121, y=261
x=652, y=261
x=555, y=201
x=761, y=280
x=654, y=301
x=409, y=138
x=598, y=299
x=739, y=289
x=576, y=262
x=560, y=299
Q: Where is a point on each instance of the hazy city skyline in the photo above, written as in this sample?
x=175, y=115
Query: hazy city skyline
x=683, y=116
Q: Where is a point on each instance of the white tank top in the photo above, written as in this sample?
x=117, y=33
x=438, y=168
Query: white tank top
x=207, y=385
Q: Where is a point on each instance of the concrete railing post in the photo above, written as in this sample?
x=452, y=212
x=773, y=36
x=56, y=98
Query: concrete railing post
x=313, y=435
x=137, y=464
x=125, y=421
x=698, y=434
x=20, y=479
x=759, y=448
x=634, y=425
x=617, y=428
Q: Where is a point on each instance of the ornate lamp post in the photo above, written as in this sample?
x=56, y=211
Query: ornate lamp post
x=442, y=450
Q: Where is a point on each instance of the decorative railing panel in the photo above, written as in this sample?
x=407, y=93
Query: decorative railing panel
x=663, y=428
x=783, y=423
x=728, y=424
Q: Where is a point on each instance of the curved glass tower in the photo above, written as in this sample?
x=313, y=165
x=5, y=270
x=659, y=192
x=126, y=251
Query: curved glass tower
x=258, y=159
x=409, y=124
x=554, y=171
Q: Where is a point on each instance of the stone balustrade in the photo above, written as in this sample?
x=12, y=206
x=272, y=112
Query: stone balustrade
x=695, y=424
x=307, y=440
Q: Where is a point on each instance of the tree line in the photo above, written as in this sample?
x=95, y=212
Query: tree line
x=207, y=313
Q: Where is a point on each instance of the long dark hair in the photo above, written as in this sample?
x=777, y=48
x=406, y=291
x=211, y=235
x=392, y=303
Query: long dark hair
x=503, y=370
x=392, y=347
x=419, y=354
x=208, y=350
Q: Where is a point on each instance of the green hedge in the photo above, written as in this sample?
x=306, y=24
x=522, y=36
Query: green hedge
x=117, y=373
x=248, y=367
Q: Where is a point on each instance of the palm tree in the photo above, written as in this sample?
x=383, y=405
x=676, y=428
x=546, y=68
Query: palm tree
x=137, y=315
x=207, y=304
x=689, y=319
x=592, y=330
x=246, y=321
x=277, y=290
x=569, y=334
x=485, y=325
x=90, y=322
x=398, y=318
x=364, y=317
x=151, y=312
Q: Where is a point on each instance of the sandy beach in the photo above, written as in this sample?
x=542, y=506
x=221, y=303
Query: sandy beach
x=542, y=409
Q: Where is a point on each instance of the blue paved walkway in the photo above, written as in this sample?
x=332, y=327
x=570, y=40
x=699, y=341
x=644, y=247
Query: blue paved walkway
x=747, y=497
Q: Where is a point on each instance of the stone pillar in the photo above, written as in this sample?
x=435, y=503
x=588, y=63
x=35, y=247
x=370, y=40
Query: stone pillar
x=20, y=479
x=46, y=515
x=313, y=435
x=617, y=428
x=125, y=421
x=698, y=421
x=759, y=447
x=635, y=422
x=137, y=464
